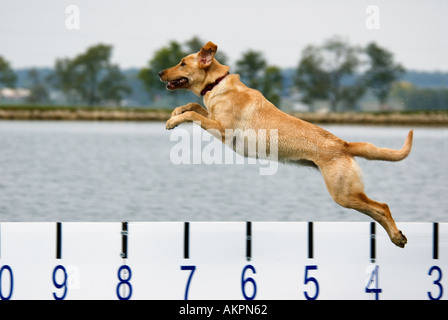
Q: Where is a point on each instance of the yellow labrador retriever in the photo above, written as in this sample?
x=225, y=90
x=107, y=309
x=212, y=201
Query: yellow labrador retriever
x=231, y=105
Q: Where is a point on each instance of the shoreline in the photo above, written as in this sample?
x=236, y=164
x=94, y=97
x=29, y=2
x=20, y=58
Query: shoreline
x=430, y=118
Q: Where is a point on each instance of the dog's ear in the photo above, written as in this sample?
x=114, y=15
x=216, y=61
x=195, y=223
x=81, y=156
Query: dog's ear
x=206, y=54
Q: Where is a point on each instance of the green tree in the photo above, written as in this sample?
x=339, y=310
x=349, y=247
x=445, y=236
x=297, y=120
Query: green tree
x=382, y=73
x=113, y=86
x=250, y=68
x=90, y=77
x=254, y=70
x=272, y=84
x=327, y=72
x=313, y=81
x=7, y=76
x=39, y=92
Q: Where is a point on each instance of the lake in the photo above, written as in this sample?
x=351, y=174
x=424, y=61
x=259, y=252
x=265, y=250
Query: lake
x=123, y=171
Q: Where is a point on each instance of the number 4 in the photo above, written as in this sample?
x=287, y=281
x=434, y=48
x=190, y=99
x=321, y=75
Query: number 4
x=373, y=279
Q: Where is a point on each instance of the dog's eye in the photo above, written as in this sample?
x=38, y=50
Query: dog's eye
x=182, y=64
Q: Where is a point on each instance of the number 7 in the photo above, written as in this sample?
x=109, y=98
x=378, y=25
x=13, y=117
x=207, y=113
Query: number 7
x=192, y=269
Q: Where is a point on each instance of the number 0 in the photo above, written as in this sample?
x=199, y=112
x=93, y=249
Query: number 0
x=11, y=282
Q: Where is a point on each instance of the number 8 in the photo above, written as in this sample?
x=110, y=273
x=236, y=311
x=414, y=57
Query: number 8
x=124, y=282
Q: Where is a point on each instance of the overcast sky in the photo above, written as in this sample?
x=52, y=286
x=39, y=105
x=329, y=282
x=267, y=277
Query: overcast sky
x=34, y=32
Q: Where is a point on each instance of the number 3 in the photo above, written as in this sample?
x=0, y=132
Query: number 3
x=436, y=282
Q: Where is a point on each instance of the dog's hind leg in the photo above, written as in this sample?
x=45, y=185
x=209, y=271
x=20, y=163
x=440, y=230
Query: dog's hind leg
x=344, y=182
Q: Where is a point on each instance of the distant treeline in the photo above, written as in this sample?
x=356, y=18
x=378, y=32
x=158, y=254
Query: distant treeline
x=335, y=75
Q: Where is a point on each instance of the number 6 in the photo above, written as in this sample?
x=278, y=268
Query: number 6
x=244, y=281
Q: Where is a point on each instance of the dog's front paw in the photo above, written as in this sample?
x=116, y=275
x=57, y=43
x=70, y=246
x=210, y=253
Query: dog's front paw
x=179, y=110
x=171, y=124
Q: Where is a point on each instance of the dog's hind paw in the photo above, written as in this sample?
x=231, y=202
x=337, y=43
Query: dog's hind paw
x=400, y=240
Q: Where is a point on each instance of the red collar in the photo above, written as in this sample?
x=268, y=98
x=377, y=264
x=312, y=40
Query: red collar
x=210, y=86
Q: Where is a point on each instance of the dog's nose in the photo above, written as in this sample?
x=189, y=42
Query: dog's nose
x=161, y=73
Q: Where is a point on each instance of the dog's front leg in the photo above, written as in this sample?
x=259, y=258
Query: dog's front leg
x=192, y=106
x=212, y=126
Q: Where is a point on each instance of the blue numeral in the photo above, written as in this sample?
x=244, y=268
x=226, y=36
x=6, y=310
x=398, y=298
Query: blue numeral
x=244, y=281
x=124, y=282
x=192, y=269
x=11, y=282
x=374, y=278
x=313, y=280
x=60, y=285
x=436, y=282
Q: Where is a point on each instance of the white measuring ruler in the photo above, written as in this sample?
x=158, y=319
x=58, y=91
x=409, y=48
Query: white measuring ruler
x=221, y=260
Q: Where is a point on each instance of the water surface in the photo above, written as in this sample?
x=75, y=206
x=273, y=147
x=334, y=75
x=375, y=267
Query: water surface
x=117, y=171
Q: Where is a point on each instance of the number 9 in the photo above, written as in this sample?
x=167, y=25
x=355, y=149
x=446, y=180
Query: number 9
x=60, y=285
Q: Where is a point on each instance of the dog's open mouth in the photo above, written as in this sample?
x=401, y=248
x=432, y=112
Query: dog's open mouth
x=178, y=83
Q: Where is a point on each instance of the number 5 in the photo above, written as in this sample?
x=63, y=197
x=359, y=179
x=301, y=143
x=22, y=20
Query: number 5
x=311, y=279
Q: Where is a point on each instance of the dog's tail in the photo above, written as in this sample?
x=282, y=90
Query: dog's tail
x=371, y=152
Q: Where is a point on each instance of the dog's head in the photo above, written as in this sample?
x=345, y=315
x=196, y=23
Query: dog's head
x=194, y=71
